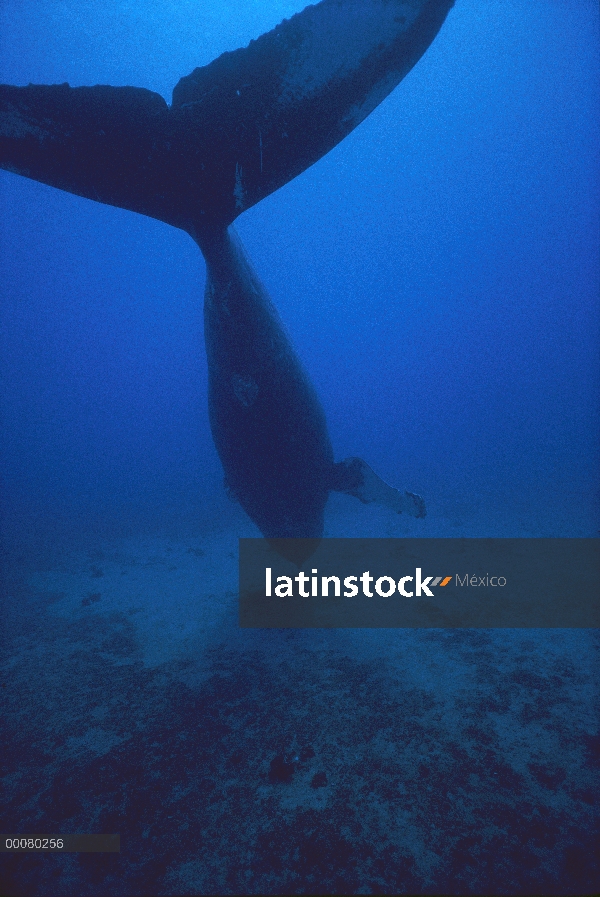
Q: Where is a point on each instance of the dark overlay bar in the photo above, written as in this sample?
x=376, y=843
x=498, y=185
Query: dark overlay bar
x=413, y=583
x=60, y=843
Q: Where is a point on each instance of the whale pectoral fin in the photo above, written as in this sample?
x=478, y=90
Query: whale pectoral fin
x=354, y=477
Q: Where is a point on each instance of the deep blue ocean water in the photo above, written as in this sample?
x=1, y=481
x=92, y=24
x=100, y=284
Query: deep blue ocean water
x=438, y=273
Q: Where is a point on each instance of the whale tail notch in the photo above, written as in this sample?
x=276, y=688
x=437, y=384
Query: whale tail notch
x=355, y=477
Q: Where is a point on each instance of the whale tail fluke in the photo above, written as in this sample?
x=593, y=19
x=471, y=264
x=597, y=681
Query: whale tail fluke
x=354, y=477
x=238, y=128
x=97, y=142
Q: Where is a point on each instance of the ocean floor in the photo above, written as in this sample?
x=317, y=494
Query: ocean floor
x=279, y=761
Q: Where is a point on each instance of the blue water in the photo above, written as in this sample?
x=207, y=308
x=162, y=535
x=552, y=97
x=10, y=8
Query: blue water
x=438, y=273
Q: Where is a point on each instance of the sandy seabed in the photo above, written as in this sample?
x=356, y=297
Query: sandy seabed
x=279, y=761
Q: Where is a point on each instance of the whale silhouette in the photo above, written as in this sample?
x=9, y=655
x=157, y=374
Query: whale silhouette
x=238, y=129
x=266, y=419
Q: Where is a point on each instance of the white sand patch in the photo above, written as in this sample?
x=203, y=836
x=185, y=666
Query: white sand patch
x=175, y=593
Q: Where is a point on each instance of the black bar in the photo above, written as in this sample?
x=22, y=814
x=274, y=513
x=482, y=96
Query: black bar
x=480, y=583
x=60, y=843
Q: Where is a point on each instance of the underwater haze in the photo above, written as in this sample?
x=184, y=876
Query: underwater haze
x=438, y=274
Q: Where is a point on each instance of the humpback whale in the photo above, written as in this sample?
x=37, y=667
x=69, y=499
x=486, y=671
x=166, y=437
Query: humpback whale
x=238, y=129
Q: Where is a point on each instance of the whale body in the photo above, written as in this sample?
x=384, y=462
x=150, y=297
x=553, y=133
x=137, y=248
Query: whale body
x=238, y=129
x=266, y=419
